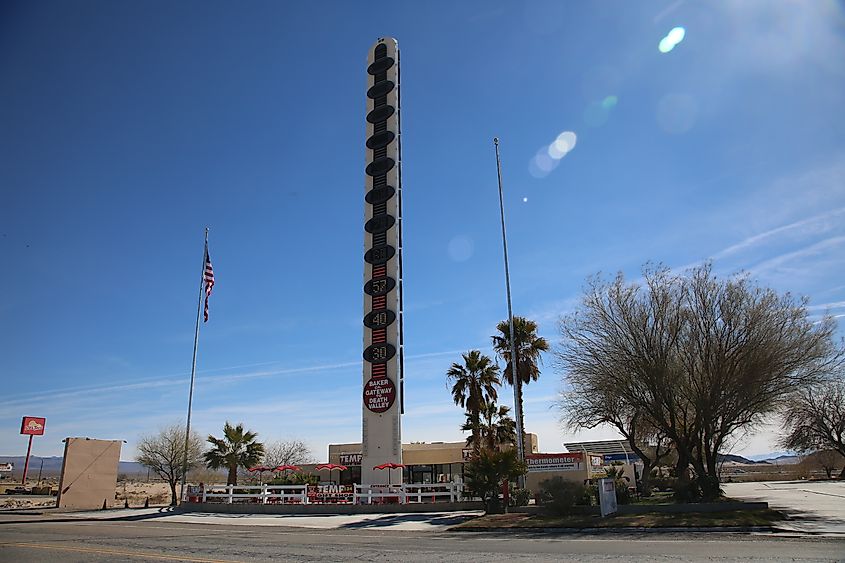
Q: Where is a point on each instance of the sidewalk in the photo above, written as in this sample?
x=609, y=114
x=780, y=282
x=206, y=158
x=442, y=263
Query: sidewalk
x=421, y=522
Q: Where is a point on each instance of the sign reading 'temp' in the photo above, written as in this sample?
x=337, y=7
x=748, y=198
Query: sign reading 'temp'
x=350, y=459
x=33, y=425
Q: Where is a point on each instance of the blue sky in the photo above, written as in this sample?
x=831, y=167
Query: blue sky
x=129, y=127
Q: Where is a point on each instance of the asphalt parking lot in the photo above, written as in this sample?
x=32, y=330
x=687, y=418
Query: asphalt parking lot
x=812, y=506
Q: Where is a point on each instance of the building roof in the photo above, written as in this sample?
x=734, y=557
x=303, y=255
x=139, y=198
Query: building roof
x=601, y=447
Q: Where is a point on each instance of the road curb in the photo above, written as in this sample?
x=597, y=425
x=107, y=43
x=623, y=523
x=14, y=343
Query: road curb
x=672, y=529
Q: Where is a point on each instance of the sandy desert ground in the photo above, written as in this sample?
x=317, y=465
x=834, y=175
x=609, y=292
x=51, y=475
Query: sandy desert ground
x=136, y=492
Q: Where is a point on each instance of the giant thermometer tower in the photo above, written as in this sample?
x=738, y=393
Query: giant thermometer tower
x=381, y=440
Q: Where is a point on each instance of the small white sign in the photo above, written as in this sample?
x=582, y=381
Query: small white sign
x=607, y=496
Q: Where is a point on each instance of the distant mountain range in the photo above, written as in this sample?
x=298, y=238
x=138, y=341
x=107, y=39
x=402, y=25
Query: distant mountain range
x=736, y=459
x=783, y=458
x=775, y=458
x=52, y=467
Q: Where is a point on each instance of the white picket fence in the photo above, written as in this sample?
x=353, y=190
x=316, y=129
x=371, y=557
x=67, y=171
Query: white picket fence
x=408, y=493
x=300, y=494
x=257, y=494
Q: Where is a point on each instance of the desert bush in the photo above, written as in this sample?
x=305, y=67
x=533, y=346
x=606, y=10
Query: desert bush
x=559, y=495
x=520, y=497
x=295, y=479
x=623, y=493
x=686, y=490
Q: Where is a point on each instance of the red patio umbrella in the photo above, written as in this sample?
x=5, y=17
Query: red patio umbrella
x=287, y=468
x=389, y=466
x=331, y=467
x=261, y=469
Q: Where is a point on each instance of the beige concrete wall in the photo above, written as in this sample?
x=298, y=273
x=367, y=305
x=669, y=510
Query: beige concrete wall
x=89, y=473
x=533, y=479
x=585, y=466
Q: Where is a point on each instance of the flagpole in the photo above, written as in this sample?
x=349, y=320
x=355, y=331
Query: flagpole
x=193, y=371
x=520, y=447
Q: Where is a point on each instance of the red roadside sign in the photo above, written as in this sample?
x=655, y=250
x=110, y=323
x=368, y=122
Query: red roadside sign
x=33, y=425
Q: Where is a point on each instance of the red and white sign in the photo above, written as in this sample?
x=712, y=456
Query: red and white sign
x=554, y=462
x=33, y=425
x=379, y=394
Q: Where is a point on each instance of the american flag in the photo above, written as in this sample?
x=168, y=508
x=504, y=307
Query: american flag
x=208, y=279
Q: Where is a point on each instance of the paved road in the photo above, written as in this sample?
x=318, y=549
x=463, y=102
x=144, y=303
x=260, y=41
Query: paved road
x=163, y=540
x=813, y=506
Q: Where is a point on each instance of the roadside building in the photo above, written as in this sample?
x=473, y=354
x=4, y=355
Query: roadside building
x=444, y=462
x=425, y=462
x=614, y=452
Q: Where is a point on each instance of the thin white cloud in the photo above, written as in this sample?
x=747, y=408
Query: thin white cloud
x=668, y=10
x=549, y=313
x=798, y=255
x=74, y=397
x=826, y=306
x=814, y=225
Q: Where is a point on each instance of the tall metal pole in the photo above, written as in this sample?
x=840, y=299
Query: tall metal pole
x=193, y=370
x=520, y=448
x=26, y=463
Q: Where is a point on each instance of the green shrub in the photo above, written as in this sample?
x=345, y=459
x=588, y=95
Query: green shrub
x=591, y=496
x=623, y=493
x=486, y=472
x=686, y=490
x=662, y=483
x=519, y=497
x=295, y=478
x=559, y=495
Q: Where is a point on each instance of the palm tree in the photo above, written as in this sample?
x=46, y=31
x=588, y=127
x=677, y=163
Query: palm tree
x=474, y=386
x=528, y=347
x=495, y=426
x=236, y=449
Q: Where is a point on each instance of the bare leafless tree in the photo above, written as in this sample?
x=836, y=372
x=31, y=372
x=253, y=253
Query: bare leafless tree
x=746, y=349
x=164, y=453
x=587, y=407
x=619, y=357
x=815, y=419
x=287, y=452
x=695, y=357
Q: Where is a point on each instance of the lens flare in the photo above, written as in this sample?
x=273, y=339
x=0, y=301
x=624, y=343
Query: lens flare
x=547, y=158
x=677, y=113
x=542, y=164
x=461, y=248
x=675, y=36
x=568, y=139
x=564, y=143
x=557, y=149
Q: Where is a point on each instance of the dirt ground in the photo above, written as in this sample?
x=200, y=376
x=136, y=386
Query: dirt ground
x=136, y=492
